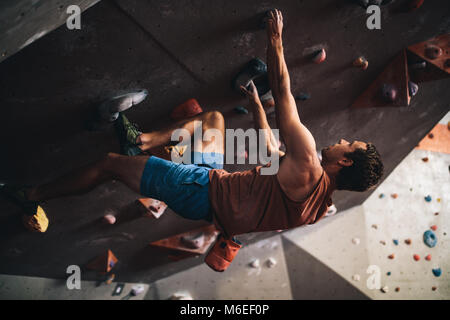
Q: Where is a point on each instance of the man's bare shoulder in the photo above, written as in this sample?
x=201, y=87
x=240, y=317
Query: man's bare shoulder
x=298, y=178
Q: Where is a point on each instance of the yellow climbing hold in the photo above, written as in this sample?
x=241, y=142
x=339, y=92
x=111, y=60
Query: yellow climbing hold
x=36, y=223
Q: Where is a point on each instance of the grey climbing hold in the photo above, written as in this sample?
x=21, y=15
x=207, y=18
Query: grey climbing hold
x=389, y=92
x=429, y=238
x=413, y=88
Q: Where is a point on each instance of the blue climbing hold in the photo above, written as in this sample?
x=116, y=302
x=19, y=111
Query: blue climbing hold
x=303, y=96
x=381, y=196
x=429, y=238
x=395, y=242
x=389, y=273
x=241, y=110
x=428, y=198
x=437, y=272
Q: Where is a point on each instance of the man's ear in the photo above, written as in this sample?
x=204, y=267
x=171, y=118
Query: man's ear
x=345, y=162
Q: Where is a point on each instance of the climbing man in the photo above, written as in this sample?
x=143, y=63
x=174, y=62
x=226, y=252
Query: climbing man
x=239, y=202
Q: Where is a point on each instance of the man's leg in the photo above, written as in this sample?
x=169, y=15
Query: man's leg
x=153, y=141
x=113, y=166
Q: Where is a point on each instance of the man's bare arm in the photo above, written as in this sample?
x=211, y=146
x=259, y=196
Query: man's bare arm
x=299, y=142
x=260, y=119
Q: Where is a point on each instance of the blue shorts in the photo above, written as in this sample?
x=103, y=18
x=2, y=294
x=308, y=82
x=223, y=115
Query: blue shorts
x=183, y=187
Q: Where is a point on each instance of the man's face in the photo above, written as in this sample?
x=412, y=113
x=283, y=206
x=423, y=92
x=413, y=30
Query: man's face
x=336, y=152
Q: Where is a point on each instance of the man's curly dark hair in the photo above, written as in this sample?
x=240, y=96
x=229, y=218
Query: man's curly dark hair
x=365, y=172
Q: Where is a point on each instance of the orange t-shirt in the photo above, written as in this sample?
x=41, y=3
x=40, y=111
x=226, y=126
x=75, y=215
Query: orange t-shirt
x=247, y=201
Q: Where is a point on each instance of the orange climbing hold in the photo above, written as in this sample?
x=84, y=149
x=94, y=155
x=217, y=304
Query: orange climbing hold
x=416, y=257
x=103, y=263
x=428, y=257
x=434, y=227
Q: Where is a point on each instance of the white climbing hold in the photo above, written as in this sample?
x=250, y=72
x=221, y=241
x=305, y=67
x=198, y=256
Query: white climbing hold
x=356, y=241
x=182, y=295
x=356, y=277
x=385, y=289
x=137, y=290
x=255, y=264
x=271, y=262
x=331, y=211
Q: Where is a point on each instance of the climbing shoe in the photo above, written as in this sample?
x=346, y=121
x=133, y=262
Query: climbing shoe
x=34, y=218
x=222, y=253
x=128, y=135
x=109, y=110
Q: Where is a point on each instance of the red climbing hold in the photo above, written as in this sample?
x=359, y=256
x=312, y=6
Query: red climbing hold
x=319, y=56
x=434, y=227
x=428, y=257
x=416, y=257
x=185, y=110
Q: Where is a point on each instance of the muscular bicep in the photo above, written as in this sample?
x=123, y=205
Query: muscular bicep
x=299, y=141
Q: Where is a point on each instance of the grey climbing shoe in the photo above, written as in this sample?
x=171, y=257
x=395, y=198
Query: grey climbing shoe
x=128, y=135
x=109, y=110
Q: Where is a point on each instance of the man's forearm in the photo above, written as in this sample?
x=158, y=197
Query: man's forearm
x=260, y=120
x=278, y=74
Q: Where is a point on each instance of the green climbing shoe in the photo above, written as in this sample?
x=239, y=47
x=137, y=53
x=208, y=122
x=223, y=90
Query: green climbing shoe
x=127, y=134
x=34, y=218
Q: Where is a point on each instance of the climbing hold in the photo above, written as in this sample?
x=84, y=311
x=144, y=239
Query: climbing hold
x=241, y=110
x=436, y=213
x=433, y=288
x=194, y=241
x=319, y=56
x=361, y=62
x=389, y=92
x=185, y=110
x=381, y=196
x=413, y=88
x=397, y=289
x=356, y=277
x=438, y=199
x=137, y=290
x=109, y=219
x=375, y=226
x=428, y=198
x=433, y=227
x=437, y=272
x=425, y=159
x=303, y=96
x=109, y=110
x=181, y=296
x=430, y=135
x=395, y=242
x=429, y=238
x=428, y=257
x=419, y=65
x=383, y=242
x=271, y=263
x=388, y=273
x=408, y=241
x=391, y=256
x=255, y=264
x=331, y=211
x=152, y=208
x=355, y=241
x=385, y=289
x=433, y=52
x=103, y=263
x=413, y=5
x=416, y=257
x=394, y=196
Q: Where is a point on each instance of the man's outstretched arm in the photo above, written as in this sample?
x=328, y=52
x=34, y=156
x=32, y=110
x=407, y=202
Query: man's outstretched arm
x=260, y=119
x=299, y=142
